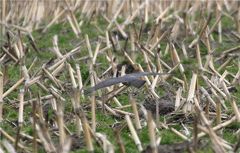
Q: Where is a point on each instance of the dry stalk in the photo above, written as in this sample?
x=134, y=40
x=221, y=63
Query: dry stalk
x=237, y=76
x=217, y=145
x=79, y=77
x=163, y=13
x=151, y=132
x=195, y=132
x=66, y=146
x=70, y=70
x=105, y=143
x=7, y=146
x=222, y=102
x=238, y=18
x=159, y=70
x=26, y=102
x=56, y=50
x=93, y=111
x=109, y=52
x=56, y=94
x=222, y=141
x=3, y=12
x=75, y=98
x=219, y=126
x=134, y=133
x=236, y=34
x=20, y=113
x=13, y=87
x=178, y=98
x=218, y=15
x=96, y=53
x=44, y=136
x=159, y=65
x=132, y=42
x=228, y=51
x=215, y=23
x=86, y=131
x=5, y=70
x=184, y=50
x=218, y=112
x=179, y=134
x=53, y=79
x=33, y=43
x=219, y=75
x=175, y=30
x=145, y=77
x=25, y=74
x=145, y=49
x=89, y=46
x=154, y=82
x=146, y=18
x=200, y=66
x=124, y=106
x=10, y=54
x=59, y=69
x=123, y=33
x=20, y=117
x=130, y=60
x=14, y=26
x=235, y=109
x=34, y=120
x=119, y=141
x=17, y=51
x=130, y=18
x=57, y=64
x=135, y=112
x=201, y=32
x=225, y=63
x=112, y=94
x=147, y=62
x=1, y=97
x=73, y=20
x=110, y=8
x=209, y=98
x=93, y=100
x=212, y=85
x=109, y=109
x=10, y=138
x=123, y=112
x=176, y=61
x=225, y=89
x=158, y=41
x=191, y=94
x=60, y=122
x=64, y=58
x=32, y=64
x=33, y=81
x=115, y=15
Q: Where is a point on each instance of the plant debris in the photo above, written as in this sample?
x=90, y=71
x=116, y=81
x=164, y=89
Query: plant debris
x=119, y=76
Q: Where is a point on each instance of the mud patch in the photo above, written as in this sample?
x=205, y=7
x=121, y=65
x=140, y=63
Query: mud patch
x=165, y=105
x=77, y=142
x=174, y=148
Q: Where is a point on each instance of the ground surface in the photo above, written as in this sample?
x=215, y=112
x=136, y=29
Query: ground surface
x=105, y=122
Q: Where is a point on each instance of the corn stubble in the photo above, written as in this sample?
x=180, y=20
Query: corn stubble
x=149, y=30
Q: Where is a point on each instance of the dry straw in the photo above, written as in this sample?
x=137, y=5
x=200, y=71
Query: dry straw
x=149, y=33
